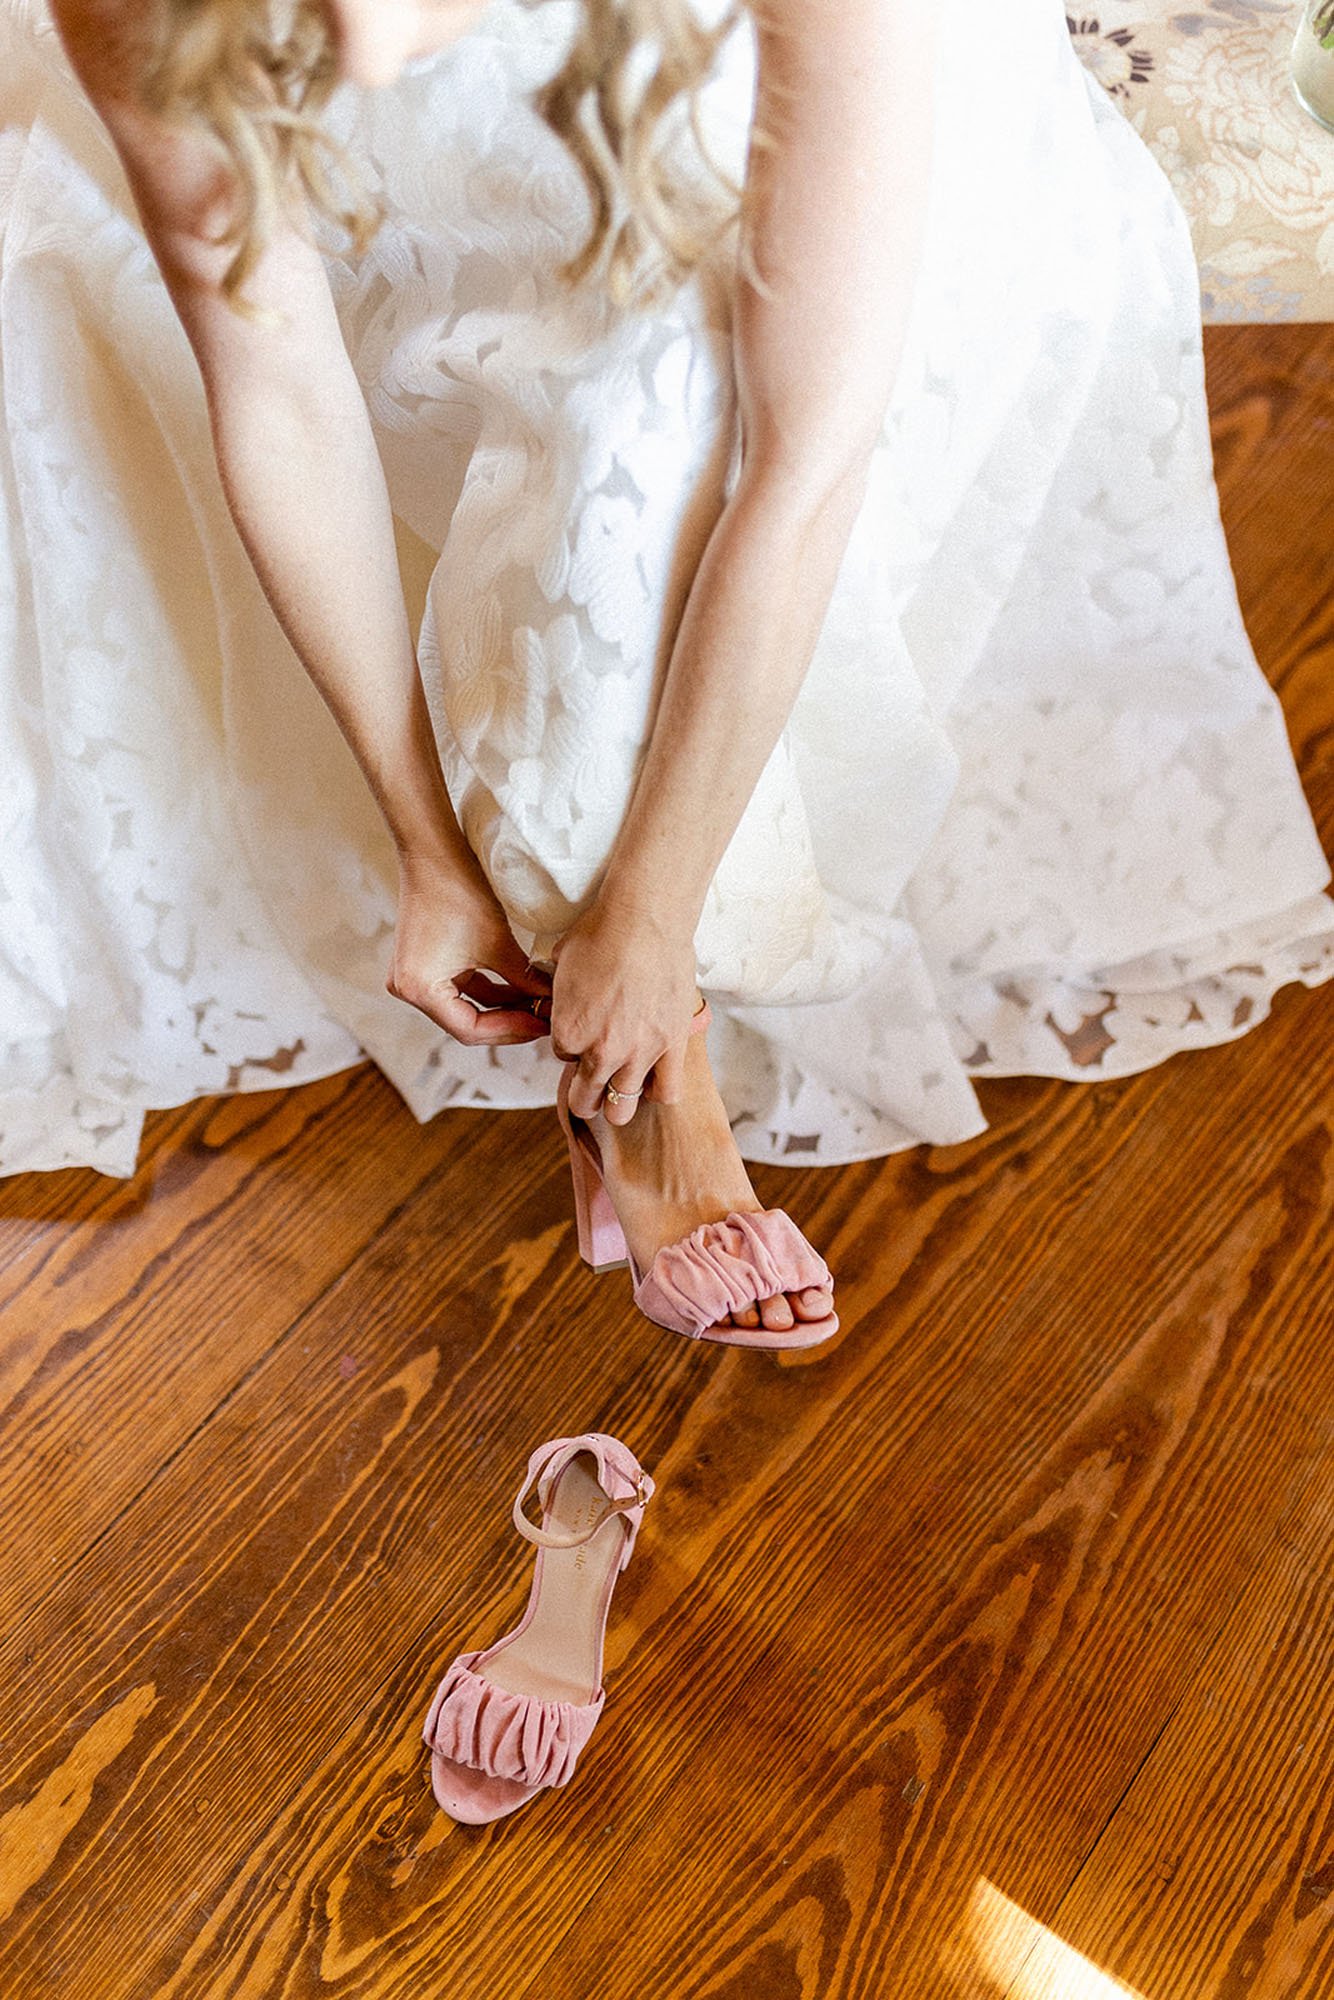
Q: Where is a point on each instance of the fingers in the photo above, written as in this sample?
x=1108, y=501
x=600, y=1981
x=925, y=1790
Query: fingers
x=623, y=1094
x=518, y=969
x=505, y=1011
x=604, y=1084
x=485, y=991
x=498, y=1027
x=588, y=1085
x=601, y=1085
x=490, y=1027
x=666, y=1082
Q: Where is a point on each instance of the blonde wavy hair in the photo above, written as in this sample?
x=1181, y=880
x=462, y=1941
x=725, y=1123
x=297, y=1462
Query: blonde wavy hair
x=257, y=74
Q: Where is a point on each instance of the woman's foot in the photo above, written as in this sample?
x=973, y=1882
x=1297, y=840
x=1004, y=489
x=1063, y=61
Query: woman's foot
x=675, y=1166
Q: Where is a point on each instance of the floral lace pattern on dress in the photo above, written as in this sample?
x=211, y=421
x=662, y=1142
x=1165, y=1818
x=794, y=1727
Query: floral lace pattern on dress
x=1035, y=810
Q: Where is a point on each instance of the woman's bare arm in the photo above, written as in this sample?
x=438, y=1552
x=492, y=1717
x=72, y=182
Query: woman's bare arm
x=834, y=214
x=304, y=482
x=290, y=429
x=834, y=218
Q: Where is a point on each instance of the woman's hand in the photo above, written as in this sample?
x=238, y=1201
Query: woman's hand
x=623, y=998
x=451, y=933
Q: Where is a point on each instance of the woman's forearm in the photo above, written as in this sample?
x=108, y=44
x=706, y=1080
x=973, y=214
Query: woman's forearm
x=834, y=223
x=304, y=483
x=750, y=627
x=306, y=488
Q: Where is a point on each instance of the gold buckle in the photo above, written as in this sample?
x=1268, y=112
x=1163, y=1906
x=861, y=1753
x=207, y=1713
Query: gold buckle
x=641, y=1498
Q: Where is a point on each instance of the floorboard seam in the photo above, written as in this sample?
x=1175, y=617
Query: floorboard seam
x=1015, y=1990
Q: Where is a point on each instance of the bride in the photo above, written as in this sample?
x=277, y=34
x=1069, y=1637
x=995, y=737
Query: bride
x=828, y=608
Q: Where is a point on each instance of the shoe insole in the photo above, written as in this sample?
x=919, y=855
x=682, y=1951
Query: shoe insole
x=558, y=1657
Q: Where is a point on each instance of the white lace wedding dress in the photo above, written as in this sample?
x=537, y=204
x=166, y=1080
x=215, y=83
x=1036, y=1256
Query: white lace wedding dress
x=1036, y=809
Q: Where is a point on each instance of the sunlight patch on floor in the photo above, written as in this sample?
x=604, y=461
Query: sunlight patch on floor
x=1021, y=1959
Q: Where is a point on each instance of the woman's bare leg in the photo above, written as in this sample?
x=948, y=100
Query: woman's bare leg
x=675, y=1166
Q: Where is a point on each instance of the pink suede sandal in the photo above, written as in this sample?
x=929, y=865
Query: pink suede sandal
x=720, y=1268
x=510, y=1721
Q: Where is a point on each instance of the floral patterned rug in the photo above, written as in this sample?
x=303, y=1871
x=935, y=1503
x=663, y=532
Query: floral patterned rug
x=1208, y=86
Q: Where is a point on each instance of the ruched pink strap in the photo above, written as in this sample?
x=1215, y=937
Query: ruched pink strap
x=725, y=1266
x=506, y=1735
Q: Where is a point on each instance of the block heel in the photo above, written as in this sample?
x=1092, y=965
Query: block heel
x=602, y=1242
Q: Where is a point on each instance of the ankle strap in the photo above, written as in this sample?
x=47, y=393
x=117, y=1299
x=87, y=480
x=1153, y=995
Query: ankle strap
x=627, y=1486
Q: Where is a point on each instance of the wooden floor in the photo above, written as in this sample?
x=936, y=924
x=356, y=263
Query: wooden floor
x=988, y=1655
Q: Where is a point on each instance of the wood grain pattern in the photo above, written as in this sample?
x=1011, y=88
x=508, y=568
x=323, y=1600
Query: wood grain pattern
x=128, y=1320
x=1255, y=1738
x=969, y=1659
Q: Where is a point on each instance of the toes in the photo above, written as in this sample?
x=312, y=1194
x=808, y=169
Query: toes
x=776, y=1313
x=816, y=1302
x=749, y=1316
